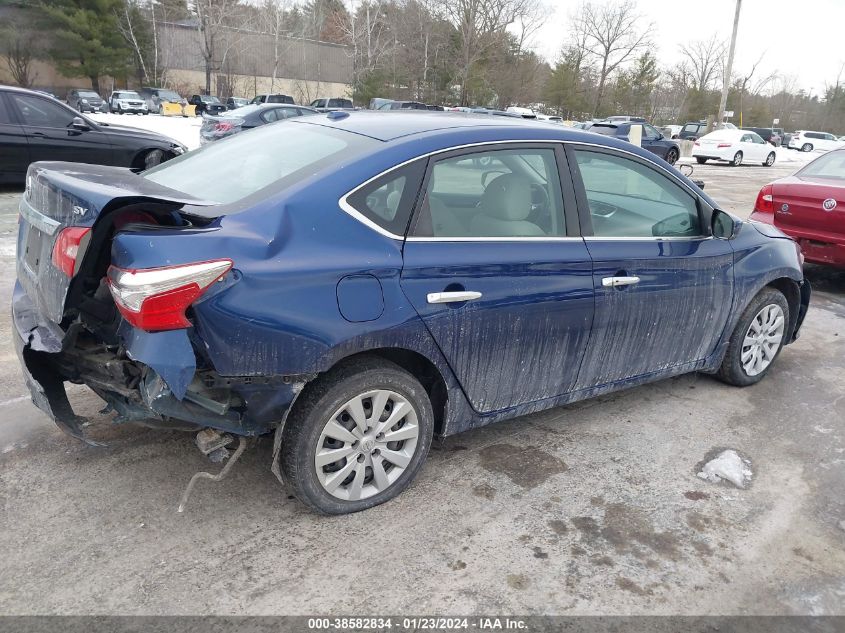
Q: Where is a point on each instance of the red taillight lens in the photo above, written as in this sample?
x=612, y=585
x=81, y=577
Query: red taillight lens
x=223, y=127
x=720, y=145
x=155, y=299
x=765, y=200
x=66, y=248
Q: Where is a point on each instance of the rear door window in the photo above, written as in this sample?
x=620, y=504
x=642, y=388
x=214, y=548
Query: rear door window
x=387, y=202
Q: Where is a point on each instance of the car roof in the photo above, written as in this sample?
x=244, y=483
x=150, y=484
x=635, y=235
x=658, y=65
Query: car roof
x=21, y=90
x=387, y=126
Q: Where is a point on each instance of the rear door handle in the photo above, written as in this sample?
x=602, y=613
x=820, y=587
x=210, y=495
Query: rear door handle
x=452, y=297
x=614, y=282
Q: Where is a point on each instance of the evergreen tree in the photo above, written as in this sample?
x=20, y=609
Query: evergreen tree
x=86, y=38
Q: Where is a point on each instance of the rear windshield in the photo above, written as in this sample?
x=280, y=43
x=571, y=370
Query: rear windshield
x=607, y=130
x=830, y=165
x=232, y=169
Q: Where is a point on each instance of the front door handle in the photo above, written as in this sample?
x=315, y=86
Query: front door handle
x=452, y=297
x=614, y=282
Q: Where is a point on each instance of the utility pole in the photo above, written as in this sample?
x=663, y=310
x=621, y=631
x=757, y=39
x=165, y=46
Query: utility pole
x=726, y=82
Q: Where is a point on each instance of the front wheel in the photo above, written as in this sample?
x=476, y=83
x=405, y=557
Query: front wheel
x=770, y=159
x=357, y=437
x=153, y=158
x=737, y=159
x=700, y=160
x=756, y=340
x=672, y=156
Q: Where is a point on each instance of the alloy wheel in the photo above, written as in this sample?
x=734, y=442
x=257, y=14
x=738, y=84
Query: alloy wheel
x=806, y=147
x=770, y=159
x=366, y=445
x=672, y=157
x=737, y=161
x=762, y=340
x=153, y=158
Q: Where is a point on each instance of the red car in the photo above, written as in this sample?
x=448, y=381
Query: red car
x=810, y=207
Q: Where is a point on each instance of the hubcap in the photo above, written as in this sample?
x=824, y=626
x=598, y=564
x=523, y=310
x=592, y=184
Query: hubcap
x=762, y=340
x=738, y=158
x=366, y=445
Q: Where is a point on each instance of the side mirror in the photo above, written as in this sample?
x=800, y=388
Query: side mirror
x=79, y=123
x=723, y=226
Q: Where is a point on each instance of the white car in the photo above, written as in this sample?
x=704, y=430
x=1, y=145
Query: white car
x=735, y=147
x=525, y=113
x=122, y=101
x=809, y=141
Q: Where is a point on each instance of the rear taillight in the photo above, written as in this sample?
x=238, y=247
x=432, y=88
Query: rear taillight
x=155, y=299
x=720, y=145
x=223, y=127
x=67, y=247
x=765, y=200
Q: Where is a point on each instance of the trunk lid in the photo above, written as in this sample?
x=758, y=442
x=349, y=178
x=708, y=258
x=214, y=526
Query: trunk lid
x=810, y=207
x=62, y=195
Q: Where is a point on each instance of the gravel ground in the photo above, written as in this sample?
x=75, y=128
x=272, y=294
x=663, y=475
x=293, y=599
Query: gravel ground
x=590, y=508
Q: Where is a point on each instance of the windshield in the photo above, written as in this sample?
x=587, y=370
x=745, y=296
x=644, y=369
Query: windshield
x=831, y=165
x=209, y=99
x=243, y=164
x=128, y=95
x=607, y=130
x=168, y=95
x=88, y=93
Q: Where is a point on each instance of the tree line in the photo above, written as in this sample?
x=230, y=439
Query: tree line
x=451, y=52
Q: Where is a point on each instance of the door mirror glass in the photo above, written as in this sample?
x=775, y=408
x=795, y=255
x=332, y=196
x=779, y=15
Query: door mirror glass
x=722, y=225
x=79, y=123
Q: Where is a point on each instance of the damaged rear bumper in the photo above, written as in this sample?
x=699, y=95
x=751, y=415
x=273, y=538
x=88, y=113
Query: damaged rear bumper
x=154, y=380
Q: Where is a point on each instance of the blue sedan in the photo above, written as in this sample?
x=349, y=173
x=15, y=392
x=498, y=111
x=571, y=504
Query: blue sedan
x=358, y=283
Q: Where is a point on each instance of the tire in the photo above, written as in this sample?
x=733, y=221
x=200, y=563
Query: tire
x=807, y=147
x=119, y=110
x=733, y=370
x=328, y=400
x=672, y=156
x=700, y=160
x=153, y=158
x=737, y=160
x=770, y=160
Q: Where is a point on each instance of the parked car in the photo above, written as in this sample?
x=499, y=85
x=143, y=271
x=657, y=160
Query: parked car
x=403, y=105
x=126, y=101
x=693, y=131
x=85, y=101
x=810, y=141
x=626, y=118
x=207, y=104
x=734, y=146
x=652, y=138
x=768, y=134
x=236, y=102
x=809, y=206
x=248, y=117
x=787, y=136
x=328, y=105
x=377, y=102
x=155, y=97
x=672, y=131
x=34, y=127
x=525, y=113
x=273, y=98
x=319, y=297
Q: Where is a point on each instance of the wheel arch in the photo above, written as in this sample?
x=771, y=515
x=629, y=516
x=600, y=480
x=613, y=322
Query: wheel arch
x=790, y=289
x=421, y=368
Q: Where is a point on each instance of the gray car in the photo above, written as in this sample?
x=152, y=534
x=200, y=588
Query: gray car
x=85, y=101
x=249, y=116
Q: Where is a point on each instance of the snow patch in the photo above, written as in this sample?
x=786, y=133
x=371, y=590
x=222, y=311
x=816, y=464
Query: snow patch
x=728, y=466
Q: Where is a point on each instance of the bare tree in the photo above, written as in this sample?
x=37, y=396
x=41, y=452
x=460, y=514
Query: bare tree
x=480, y=26
x=216, y=20
x=20, y=54
x=274, y=21
x=613, y=33
x=706, y=58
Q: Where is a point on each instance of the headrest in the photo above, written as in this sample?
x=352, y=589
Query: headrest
x=507, y=197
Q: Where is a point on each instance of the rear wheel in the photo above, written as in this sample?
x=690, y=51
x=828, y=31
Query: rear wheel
x=701, y=160
x=737, y=159
x=770, y=159
x=807, y=147
x=756, y=340
x=357, y=437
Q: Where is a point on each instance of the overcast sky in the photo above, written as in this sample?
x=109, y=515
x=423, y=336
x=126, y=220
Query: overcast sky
x=804, y=39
